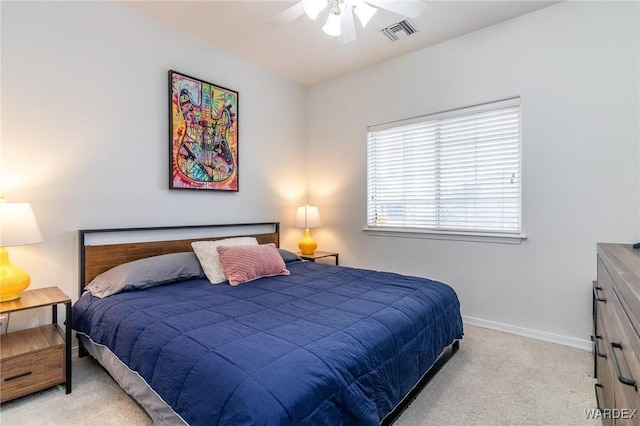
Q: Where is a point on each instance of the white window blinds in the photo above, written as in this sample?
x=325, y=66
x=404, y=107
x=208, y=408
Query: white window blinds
x=452, y=171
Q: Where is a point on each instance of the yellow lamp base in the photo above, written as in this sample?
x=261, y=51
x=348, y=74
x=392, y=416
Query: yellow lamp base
x=307, y=244
x=13, y=281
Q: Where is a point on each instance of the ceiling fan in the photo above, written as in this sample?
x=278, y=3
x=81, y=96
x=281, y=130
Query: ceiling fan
x=340, y=17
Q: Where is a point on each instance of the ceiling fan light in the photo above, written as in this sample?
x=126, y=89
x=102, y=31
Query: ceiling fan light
x=332, y=27
x=364, y=12
x=313, y=7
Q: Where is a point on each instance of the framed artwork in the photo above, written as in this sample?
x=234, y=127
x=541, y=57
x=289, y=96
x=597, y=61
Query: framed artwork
x=203, y=132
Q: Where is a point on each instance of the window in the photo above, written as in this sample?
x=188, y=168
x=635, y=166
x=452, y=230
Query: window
x=451, y=172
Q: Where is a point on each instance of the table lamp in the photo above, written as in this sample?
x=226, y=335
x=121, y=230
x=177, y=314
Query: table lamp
x=307, y=217
x=18, y=227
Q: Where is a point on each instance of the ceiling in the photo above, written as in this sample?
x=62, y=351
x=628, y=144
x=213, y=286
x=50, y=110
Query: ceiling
x=300, y=50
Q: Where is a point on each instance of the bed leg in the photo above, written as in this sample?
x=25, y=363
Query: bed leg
x=82, y=352
x=455, y=346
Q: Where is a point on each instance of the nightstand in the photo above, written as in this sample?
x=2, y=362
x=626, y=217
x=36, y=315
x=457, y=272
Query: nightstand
x=318, y=255
x=40, y=357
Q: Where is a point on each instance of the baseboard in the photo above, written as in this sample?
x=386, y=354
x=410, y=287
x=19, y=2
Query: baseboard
x=527, y=332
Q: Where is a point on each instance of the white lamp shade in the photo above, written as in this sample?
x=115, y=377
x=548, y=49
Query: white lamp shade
x=332, y=27
x=18, y=225
x=308, y=217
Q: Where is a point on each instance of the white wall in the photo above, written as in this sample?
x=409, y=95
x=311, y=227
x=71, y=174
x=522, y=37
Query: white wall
x=576, y=67
x=85, y=130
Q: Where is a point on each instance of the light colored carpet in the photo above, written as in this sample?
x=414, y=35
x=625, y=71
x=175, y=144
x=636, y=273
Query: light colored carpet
x=495, y=379
x=502, y=379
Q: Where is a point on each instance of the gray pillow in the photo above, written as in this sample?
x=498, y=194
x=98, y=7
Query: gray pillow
x=145, y=273
x=288, y=256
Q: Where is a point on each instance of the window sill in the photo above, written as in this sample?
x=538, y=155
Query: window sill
x=479, y=237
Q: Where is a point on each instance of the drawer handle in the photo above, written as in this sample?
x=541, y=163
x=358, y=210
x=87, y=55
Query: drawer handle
x=616, y=365
x=598, y=386
x=18, y=376
x=595, y=294
x=598, y=350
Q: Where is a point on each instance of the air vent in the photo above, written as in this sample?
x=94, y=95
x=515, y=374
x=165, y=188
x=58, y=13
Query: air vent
x=402, y=28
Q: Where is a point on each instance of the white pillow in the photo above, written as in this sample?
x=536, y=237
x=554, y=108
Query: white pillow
x=210, y=259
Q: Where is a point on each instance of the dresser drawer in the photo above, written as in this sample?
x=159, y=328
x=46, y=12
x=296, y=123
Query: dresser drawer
x=622, y=343
x=606, y=384
x=32, y=372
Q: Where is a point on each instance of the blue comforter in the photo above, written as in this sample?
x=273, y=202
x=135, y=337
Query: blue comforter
x=325, y=345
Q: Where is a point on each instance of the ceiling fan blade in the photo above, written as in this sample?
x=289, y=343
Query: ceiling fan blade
x=363, y=11
x=313, y=7
x=347, y=25
x=287, y=16
x=408, y=8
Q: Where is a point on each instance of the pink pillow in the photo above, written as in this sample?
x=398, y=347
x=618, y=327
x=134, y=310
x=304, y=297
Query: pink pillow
x=247, y=263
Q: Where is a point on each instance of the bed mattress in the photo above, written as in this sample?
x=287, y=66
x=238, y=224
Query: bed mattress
x=326, y=345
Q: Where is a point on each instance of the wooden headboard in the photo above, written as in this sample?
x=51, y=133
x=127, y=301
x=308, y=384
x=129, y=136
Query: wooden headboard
x=102, y=249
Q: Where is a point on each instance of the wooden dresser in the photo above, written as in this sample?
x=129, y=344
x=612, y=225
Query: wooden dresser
x=616, y=302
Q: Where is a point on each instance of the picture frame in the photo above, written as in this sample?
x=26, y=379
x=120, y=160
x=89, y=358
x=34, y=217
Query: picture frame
x=203, y=135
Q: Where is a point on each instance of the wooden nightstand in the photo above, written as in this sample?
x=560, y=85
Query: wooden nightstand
x=38, y=357
x=318, y=255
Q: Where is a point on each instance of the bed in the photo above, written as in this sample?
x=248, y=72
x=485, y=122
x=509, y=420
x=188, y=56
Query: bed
x=319, y=345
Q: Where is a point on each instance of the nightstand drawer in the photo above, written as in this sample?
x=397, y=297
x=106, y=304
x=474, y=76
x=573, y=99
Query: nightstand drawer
x=32, y=371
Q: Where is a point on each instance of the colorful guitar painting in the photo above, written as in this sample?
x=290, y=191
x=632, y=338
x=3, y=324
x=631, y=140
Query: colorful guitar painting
x=204, y=135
